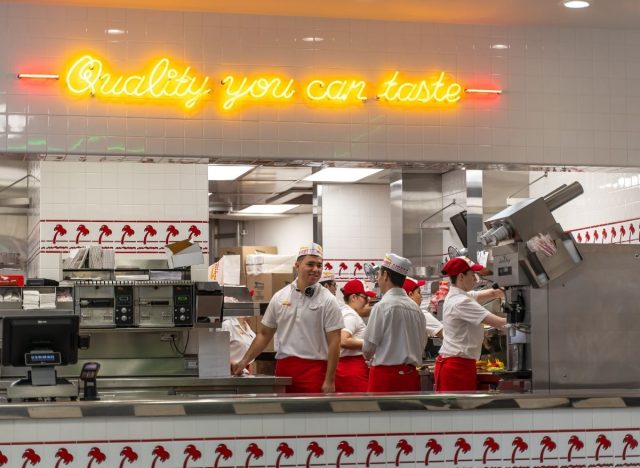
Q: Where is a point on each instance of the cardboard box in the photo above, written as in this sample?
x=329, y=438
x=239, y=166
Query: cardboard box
x=264, y=286
x=259, y=264
x=183, y=253
x=256, y=324
x=243, y=251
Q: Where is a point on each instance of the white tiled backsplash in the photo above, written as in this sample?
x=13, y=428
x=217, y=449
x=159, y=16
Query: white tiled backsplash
x=609, y=198
x=113, y=194
x=503, y=437
x=355, y=221
x=570, y=95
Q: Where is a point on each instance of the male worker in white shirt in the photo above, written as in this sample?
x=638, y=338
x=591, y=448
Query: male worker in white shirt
x=308, y=320
x=395, y=336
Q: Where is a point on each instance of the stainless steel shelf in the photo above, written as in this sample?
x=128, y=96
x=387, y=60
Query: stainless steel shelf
x=134, y=329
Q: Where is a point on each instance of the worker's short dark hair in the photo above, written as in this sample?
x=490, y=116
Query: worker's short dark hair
x=397, y=279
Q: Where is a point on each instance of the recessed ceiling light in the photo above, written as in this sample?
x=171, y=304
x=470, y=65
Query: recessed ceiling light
x=313, y=39
x=267, y=209
x=500, y=46
x=227, y=172
x=341, y=174
x=576, y=3
x=116, y=31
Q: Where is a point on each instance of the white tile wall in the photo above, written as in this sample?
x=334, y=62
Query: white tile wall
x=333, y=434
x=132, y=192
x=355, y=221
x=288, y=234
x=570, y=94
x=608, y=198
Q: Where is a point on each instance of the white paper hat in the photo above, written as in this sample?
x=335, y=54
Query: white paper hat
x=327, y=275
x=397, y=263
x=310, y=249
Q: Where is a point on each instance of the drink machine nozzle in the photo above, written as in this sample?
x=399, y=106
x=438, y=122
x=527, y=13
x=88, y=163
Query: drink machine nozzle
x=514, y=311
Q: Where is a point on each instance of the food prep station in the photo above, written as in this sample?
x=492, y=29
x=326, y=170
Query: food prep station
x=143, y=330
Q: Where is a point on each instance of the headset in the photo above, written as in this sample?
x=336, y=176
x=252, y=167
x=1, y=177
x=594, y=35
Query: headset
x=309, y=291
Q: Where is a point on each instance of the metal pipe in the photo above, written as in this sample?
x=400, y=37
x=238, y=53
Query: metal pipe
x=18, y=181
x=420, y=227
x=557, y=198
x=528, y=185
x=555, y=190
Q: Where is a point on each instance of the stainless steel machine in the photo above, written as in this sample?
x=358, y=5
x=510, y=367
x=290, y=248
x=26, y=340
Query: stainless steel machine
x=530, y=250
x=152, y=304
x=572, y=309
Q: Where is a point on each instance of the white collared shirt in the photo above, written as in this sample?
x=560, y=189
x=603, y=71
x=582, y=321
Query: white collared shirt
x=302, y=321
x=355, y=326
x=240, y=337
x=395, y=333
x=433, y=324
x=462, y=318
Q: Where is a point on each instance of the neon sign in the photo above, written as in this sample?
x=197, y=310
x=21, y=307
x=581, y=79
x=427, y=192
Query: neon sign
x=272, y=89
x=422, y=91
x=336, y=90
x=164, y=80
x=89, y=75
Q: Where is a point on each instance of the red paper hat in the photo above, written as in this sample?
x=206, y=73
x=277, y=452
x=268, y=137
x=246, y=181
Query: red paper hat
x=458, y=265
x=410, y=284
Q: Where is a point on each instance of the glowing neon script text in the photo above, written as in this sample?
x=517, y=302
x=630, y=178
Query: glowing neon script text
x=88, y=75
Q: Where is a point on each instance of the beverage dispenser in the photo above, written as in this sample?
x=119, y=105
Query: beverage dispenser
x=529, y=249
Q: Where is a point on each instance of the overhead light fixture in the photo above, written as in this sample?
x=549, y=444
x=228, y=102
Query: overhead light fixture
x=341, y=174
x=227, y=172
x=115, y=31
x=576, y=3
x=313, y=39
x=500, y=46
x=267, y=209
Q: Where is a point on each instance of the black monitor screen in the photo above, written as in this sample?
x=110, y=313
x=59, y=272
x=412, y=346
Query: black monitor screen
x=22, y=335
x=459, y=222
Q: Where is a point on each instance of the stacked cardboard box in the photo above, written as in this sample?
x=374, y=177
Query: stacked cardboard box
x=264, y=286
x=243, y=252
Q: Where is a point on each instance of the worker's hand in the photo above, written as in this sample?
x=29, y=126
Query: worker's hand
x=499, y=293
x=237, y=367
x=328, y=387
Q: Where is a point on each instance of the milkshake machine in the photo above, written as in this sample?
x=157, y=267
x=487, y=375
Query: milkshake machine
x=530, y=250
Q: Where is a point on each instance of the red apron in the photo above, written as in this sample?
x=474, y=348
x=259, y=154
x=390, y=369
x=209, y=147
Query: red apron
x=399, y=378
x=455, y=374
x=307, y=375
x=352, y=374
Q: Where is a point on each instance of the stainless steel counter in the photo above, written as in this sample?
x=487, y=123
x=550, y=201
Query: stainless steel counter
x=159, y=387
x=344, y=403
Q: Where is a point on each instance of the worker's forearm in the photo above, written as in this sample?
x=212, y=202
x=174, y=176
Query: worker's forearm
x=351, y=343
x=332, y=356
x=257, y=346
x=489, y=294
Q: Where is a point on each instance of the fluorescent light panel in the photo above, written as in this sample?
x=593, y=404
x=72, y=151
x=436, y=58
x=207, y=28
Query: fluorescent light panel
x=576, y=3
x=341, y=174
x=267, y=209
x=227, y=172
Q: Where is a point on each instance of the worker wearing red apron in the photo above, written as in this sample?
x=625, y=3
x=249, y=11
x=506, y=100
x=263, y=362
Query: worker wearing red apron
x=412, y=288
x=352, y=374
x=463, y=319
x=394, y=339
x=308, y=320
